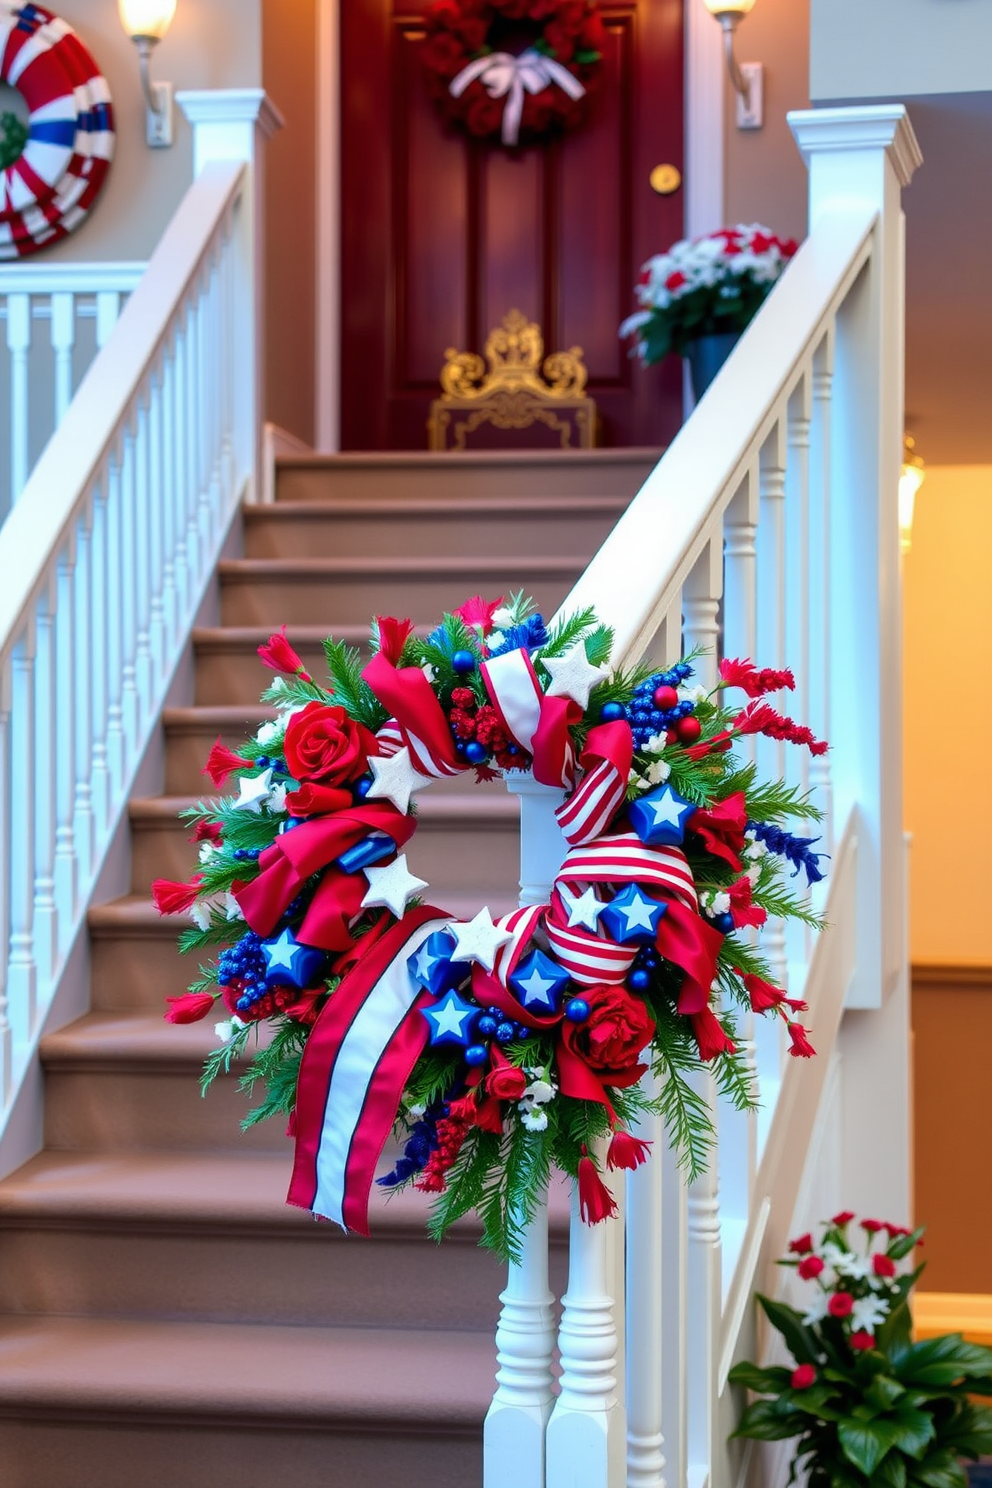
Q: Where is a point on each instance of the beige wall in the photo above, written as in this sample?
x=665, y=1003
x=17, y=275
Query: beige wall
x=211, y=44
x=765, y=177
x=947, y=713
x=289, y=71
x=897, y=48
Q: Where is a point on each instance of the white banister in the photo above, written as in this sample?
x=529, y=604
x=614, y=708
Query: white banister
x=80, y=305
x=769, y=529
x=108, y=553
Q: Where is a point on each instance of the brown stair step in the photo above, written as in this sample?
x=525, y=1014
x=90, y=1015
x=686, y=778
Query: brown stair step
x=114, y=1404
x=135, y=961
x=368, y=478
x=130, y=1082
x=228, y=670
x=464, y=841
x=423, y=527
x=329, y=591
x=82, y=1235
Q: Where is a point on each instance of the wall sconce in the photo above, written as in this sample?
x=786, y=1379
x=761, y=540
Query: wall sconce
x=748, y=78
x=146, y=22
x=911, y=478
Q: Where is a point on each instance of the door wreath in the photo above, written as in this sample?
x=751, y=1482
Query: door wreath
x=52, y=167
x=517, y=96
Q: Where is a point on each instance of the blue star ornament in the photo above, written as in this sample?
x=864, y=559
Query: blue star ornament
x=631, y=918
x=433, y=967
x=539, y=983
x=451, y=1019
x=659, y=819
x=289, y=963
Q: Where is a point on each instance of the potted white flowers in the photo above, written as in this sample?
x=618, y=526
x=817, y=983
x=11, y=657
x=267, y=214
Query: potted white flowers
x=697, y=298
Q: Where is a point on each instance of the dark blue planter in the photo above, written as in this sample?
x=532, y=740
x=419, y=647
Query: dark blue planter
x=706, y=356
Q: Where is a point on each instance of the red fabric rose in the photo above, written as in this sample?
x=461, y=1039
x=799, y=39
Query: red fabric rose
x=872, y=1226
x=617, y=1029
x=862, y=1340
x=883, y=1265
x=444, y=53
x=844, y=1217
x=801, y=1246
x=485, y=114
x=809, y=1267
x=803, y=1377
x=841, y=1305
x=323, y=743
x=506, y=1083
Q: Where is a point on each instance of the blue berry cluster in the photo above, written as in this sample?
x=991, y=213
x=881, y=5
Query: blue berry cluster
x=244, y=960
x=494, y=1024
x=528, y=635
x=643, y=970
x=798, y=850
x=645, y=718
x=271, y=762
x=246, y=854
x=419, y=1145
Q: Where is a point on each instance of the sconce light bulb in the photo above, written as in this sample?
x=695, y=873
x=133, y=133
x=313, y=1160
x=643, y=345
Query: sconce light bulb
x=149, y=19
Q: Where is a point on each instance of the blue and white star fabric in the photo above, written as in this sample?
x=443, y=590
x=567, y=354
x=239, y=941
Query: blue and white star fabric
x=659, y=819
x=451, y=1020
x=433, y=967
x=539, y=983
x=632, y=918
x=288, y=963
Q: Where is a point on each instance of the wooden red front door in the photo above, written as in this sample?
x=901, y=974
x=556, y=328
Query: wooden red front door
x=443, y=235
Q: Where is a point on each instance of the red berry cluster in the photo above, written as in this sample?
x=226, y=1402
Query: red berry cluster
x=451, y=1133
x=301, y=1006
x=472, y=722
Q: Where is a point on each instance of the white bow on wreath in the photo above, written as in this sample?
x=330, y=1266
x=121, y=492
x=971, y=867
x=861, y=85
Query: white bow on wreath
x=506, y=76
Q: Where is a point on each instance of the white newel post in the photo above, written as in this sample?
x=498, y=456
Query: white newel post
x=233, y=124
x=525, y=1336
x=865, y=156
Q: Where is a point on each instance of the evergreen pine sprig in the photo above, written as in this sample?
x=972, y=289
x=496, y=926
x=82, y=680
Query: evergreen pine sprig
x=348, y=689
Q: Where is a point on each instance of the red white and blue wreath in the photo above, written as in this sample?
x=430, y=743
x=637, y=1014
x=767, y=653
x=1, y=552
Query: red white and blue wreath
x=519, y=95
x=496, y=1050
x=54, y=165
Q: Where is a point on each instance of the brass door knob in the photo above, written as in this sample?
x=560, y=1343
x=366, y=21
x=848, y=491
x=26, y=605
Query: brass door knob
x=665, y=179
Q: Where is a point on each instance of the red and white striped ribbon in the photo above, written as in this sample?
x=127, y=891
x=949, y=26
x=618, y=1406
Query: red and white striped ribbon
x=586, y=957
x=590, y=809
x=522, y=924
x=624, y=858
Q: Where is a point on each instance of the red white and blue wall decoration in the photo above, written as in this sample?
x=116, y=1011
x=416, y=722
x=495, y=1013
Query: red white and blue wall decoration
x=66, y=146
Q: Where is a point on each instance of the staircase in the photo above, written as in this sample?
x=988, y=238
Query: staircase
x=165, y=1318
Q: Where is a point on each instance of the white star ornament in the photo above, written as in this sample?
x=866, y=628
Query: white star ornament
x=392, y=886
x=478, y=940
x=253, y=791
x=573, y=675
x=395, y=779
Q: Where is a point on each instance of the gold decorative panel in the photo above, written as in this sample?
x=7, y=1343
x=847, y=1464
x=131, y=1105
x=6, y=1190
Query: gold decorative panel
x=521, y=388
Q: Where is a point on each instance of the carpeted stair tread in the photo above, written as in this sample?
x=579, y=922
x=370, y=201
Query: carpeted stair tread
x=392, y=506
x=169, y=1190
x=431, y=806
x=467, y=570
x=118, y=1040
x=434, y=1381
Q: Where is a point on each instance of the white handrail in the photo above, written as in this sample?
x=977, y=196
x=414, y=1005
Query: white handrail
x=104, y=563
x=769, y=529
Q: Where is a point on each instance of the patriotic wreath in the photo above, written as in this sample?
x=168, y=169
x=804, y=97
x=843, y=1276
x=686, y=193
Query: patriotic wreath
x=54, y=166
x=495, y=1050
x=520, y=96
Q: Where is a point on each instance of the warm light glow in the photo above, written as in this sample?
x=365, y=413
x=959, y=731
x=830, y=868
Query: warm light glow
x=728, y=7
x=151, y=18
x=910, y=480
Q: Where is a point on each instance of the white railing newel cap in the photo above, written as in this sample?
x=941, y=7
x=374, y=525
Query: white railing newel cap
x=227, y=122
x=883, y=127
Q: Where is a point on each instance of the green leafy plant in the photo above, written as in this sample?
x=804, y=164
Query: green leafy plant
x=867, y=1404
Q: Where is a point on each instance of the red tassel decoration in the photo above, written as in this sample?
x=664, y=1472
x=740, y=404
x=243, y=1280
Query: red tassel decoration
x=174, y=898
x=596, y=1203
x=626, y=1151
x=221, y=761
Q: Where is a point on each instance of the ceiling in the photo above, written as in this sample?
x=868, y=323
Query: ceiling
x=949, y=281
